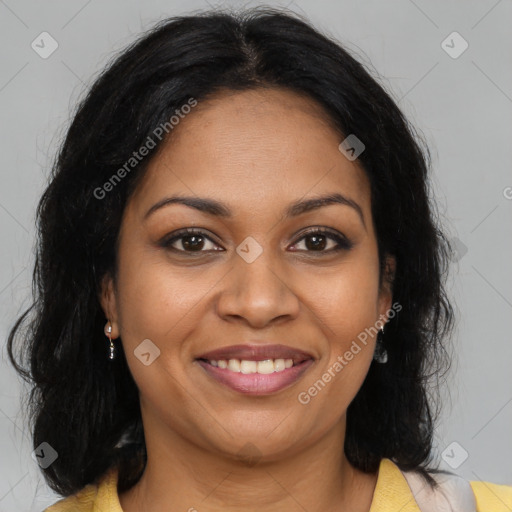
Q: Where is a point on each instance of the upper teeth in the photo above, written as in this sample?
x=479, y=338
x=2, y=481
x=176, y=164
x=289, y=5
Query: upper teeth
x=244, y=366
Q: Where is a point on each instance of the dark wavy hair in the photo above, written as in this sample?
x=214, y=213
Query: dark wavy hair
x=86, y=406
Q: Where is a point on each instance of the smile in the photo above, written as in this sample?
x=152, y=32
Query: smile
x=255, y=377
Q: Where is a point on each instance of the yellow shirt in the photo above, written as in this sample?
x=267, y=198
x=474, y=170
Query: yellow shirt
x=392, y=493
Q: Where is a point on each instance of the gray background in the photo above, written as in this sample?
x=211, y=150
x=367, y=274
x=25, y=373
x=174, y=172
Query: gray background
x=462, y=105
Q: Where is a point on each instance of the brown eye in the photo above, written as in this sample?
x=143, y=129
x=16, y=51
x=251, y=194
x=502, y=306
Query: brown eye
x=318, y=241
x=189, y=240
x=193, y=242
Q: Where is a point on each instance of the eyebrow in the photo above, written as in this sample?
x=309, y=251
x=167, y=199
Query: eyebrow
x=218, y=209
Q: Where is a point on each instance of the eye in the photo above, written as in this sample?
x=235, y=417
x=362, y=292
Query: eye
x=315, y=240
x=190, y=240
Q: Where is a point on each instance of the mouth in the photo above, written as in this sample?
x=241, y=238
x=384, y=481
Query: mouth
x=256, y=369
x=249, y=366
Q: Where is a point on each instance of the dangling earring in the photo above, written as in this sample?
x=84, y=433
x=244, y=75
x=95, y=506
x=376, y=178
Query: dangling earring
x=380, y=355
x=108, y=332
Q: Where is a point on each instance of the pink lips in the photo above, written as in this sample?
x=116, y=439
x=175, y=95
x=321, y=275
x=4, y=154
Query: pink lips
x=255, y=383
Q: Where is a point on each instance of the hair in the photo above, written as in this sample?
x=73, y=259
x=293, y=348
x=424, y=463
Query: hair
x=87, y=406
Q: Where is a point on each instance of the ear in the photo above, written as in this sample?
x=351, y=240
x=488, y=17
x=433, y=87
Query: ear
x=108, y=303
x=386, y=289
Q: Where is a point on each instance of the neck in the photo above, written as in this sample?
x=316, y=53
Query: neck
x=182, y=476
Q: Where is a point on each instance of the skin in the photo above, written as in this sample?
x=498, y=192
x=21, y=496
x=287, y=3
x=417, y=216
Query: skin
x=255, y=151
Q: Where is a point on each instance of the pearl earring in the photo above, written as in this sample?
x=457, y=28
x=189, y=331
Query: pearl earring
x=108, y=332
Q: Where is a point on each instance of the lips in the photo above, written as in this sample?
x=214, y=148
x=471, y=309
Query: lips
x=256, y=353
x=256, y=384
x=278, y=367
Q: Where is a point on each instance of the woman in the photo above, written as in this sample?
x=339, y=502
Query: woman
x=240, y=284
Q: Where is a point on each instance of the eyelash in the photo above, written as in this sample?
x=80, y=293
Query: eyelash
x=342, y=242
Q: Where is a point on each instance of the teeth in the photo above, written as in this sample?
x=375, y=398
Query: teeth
x=266, y=367
x=244, y=366
x=279, y=365
x=234, y=365
x=248, y=366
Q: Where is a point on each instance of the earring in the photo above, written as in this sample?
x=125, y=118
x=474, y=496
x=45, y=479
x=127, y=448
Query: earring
x=381, y=354
x=108, y=333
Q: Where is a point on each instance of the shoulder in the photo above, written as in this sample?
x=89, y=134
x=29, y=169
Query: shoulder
x=102, y=496
x=408, y=491
x=456, y=493
x=82, y=501
x=489, y=496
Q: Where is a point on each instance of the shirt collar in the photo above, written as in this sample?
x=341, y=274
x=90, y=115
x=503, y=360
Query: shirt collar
x=392, y=493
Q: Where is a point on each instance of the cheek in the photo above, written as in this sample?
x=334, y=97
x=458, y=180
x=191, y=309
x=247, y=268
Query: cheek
x=346, y=300
x=346, y=306
x=332, y=390
x=348, y=351
x=158, y=301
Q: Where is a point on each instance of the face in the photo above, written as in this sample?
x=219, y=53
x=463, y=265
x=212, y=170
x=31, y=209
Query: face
x=259, y=274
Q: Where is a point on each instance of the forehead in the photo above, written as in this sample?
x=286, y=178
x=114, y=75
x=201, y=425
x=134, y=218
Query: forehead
x=255, y=150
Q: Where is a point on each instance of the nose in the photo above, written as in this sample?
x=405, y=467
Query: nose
x=258, y=293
